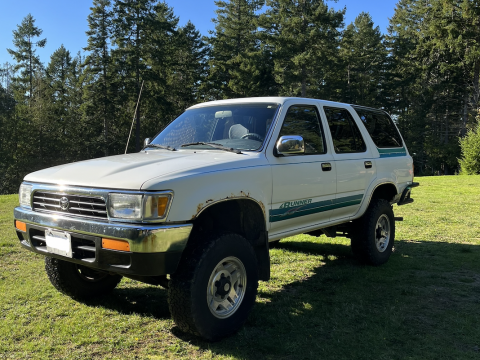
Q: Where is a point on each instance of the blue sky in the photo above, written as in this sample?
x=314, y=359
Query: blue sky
x=65, y=21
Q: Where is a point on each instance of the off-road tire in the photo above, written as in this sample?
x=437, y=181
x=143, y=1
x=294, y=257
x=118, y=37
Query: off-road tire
x=187, y=289
x=77, y=281
x=364, y=234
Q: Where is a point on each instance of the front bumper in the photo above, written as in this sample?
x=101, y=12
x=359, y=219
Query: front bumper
x=154, y=249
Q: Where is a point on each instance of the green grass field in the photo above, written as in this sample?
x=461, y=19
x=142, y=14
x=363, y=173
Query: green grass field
x=320, y=304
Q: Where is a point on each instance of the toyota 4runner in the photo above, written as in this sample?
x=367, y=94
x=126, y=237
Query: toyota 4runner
x=196, y=209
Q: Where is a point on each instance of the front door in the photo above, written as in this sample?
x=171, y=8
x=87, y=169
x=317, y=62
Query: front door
x=303, y=185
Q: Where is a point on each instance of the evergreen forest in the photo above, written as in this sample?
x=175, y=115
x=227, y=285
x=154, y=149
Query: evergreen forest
x=424, y=71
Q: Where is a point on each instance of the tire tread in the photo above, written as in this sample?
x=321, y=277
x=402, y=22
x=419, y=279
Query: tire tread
x=62, y=276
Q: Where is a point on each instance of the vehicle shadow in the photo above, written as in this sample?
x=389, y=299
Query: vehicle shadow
x=147, y=300
x=345, y=309
x=143, y=299
x=342, y=308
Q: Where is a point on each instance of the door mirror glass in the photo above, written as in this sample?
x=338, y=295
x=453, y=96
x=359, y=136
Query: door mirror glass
x=290, y=145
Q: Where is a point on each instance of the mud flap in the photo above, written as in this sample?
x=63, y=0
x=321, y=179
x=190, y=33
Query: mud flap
x=263, y=257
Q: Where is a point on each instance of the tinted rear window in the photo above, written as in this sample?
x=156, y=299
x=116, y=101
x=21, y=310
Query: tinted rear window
x=345, y=134
x=380, y=127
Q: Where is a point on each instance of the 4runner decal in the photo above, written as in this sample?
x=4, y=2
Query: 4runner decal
x=293, y=209
x=289, y=204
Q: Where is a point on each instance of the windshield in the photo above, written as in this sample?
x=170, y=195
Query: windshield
x=237, y=126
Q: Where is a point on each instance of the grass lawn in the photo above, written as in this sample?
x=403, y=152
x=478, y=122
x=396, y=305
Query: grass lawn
x=321, y=303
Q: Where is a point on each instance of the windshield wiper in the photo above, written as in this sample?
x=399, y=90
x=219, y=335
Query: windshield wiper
x=160, y=147
x=214, y=145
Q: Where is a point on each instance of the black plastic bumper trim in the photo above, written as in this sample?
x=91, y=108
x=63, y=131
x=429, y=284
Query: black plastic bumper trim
x=405, y=198
x=120, y=262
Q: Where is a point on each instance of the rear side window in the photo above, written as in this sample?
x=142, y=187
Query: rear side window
x=303, y=120
x=380, y=127
x=345, y=133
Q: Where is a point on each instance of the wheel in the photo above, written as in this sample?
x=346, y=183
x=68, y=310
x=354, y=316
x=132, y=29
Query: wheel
x=77, y=281
x=214, y=288
x=374, y=233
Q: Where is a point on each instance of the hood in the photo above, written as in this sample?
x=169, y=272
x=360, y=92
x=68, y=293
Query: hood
x=131, y=171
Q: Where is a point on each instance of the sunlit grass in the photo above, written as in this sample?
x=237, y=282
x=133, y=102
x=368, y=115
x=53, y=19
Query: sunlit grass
x=320, y=303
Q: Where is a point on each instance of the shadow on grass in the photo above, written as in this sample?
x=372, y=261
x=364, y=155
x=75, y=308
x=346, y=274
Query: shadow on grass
x=423, y=301
x=148, y=301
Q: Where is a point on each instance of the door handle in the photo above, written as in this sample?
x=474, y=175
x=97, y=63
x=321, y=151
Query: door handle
x=368, y=164
x=326, y=166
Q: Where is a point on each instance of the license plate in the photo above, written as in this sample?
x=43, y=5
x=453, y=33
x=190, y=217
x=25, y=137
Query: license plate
x=58, y=242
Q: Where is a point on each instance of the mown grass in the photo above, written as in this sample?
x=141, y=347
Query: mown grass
x=320, y=304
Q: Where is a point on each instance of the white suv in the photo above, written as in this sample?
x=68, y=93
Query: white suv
x=196, y=209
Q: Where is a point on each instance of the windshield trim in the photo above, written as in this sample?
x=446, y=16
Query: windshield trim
x=227, y=103
x=266, y=141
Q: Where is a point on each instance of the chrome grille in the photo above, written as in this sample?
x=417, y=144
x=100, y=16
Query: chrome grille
x=78, y=205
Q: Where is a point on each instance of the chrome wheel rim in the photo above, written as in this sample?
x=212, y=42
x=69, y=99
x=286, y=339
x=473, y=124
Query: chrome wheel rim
x=382, y=233
x=226, y=287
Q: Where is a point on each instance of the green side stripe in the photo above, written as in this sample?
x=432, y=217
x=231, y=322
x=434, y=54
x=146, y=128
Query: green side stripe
x=319, y=204
x=392, y=152
x=314, y=208
x=348, y=198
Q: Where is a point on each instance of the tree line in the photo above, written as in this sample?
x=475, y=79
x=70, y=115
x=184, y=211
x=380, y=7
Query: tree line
x=424, y=71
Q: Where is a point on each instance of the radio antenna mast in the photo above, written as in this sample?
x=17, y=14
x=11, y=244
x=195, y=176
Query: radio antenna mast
x=135, y=113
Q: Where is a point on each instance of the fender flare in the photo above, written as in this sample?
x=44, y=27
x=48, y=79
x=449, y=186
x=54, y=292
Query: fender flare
x=371, y=190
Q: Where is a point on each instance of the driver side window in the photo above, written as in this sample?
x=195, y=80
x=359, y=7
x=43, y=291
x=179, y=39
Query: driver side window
x=303, y=120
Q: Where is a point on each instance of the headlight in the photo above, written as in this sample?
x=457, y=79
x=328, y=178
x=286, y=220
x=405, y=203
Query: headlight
x=149, y=207
x=24, y=195
x=125, y=206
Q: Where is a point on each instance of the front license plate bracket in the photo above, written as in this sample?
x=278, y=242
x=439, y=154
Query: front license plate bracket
x=58, y=242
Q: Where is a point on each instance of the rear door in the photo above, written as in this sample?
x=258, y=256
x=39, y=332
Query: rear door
x=354, y=163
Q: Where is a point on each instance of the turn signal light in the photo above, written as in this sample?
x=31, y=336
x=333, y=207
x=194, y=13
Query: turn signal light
x=162, y=205
x=112, y=244
x=21, y=226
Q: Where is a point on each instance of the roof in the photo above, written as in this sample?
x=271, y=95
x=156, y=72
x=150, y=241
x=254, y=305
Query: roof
x=264, y=99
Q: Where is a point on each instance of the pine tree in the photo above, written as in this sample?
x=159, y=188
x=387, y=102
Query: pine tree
x=139, y=29
x=158, y=104
x=364, y=56
x=453, y=36
x=98, y=68
x=237, y=61
x=26, y=89
x=7, y=142
x=58, y=113
x=24, y=53
x=190, y=67
x=304, y=35
x=433, y=62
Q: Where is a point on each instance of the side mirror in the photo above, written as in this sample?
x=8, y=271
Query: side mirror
x=290, y=145
x=146, y=142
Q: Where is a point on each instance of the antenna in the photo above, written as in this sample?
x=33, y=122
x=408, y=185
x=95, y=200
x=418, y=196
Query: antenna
x=133, y=120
